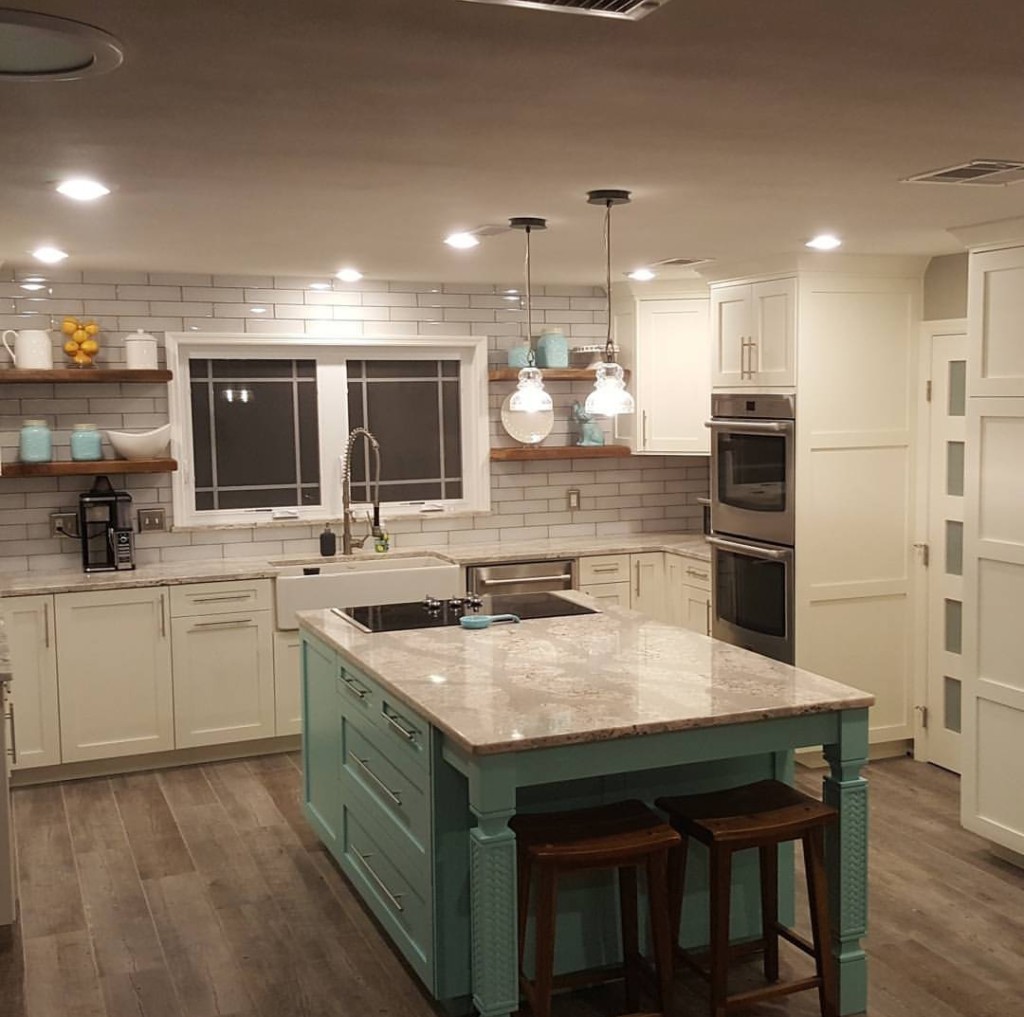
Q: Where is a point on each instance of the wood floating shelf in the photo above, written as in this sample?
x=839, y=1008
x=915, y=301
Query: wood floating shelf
x=97, y=468
x=548, y=373
x=82, y=376
x=534, y=452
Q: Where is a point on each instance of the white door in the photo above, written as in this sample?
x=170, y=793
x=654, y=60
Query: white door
x=674, y=376
x=287, y=683
x=996, y=299
x=8, y=889
x=223, y=678
x=732, y=331
x=36, y=726
x=648, y=593
x=771, y=361
x=114, y=673
x=945, y=598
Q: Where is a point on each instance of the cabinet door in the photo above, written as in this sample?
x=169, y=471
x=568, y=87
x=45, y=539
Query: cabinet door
x=114, y=673
x=688, y=592
x=732, y=328
x=771, y=360
x=674, y=376
x=609, y=594
x=30, y=633
x=287, y=683
x=995, y=313
x=648, y=585
x=695, y=609
x=321, y=741
x=223, y=678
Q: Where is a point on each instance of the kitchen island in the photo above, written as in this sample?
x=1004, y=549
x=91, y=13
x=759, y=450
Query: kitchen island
x=420, y=745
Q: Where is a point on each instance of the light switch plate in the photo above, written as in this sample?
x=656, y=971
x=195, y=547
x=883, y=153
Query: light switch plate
x=152, y=519
x=574, y=499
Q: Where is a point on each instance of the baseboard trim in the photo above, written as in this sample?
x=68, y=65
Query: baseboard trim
x=1007, y=855
x=812, y=758
x=154, y=761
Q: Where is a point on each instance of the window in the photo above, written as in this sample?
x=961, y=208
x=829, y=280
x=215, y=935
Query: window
x=260, y=425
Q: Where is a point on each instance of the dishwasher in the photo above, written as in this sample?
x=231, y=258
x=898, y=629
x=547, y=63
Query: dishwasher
x=522, y=577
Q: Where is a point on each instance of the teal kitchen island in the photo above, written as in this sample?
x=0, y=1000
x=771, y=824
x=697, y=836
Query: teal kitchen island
x=419, y=746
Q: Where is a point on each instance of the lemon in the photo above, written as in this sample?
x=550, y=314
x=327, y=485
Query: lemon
x=82, y=358
x=69, y=326
x=71, y=347
x=80, y=335
x=92, y=328
x=90, y=346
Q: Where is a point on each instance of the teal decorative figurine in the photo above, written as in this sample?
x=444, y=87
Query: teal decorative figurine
x=590, y=430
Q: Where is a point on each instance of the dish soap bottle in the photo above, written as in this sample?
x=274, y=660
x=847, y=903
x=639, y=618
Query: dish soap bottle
x=328, y=543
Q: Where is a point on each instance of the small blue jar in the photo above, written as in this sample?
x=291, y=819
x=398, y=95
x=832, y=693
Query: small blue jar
x=552, y=349
x=35, y=444
x=86, y=444
x=520, y=355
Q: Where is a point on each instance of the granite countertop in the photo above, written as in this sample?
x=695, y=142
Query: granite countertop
x=690, y=545
x=584, y=678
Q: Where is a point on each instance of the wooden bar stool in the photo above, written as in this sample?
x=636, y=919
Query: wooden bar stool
x=621, y=836
x=763, y=816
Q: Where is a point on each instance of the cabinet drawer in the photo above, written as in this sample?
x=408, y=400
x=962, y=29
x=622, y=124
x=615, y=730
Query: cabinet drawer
x=395, y=795
x=695, y=573
x=399, y=900
x=605, y=568
x=609, y=594
x=220, y=598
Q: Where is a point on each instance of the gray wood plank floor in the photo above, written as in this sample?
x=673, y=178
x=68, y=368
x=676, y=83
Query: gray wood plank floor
x=201, y=892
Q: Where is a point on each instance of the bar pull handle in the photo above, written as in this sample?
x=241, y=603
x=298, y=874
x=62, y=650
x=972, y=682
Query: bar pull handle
x=363, y=764
x=357, y=690
x=395, y=899
x=561, y=578
x=46, y=624
x=13, y=750
x=221, y=597
x=407, y=733
x=638, y=580
x=696, y=573
x=602, y=569
x=644, y=439
x=234, y=623
x=163, y=617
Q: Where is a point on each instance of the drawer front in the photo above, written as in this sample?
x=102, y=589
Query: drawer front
x=401, y=902
x=695, y=573
x=220, y=598
x=609, y=594
x=605, y=568
x=396, y=797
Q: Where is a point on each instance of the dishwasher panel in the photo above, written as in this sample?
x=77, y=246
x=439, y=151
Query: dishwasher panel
x=522, y=577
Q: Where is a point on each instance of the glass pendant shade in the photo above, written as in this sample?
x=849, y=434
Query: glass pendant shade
x=609, y=397
x=530, y=395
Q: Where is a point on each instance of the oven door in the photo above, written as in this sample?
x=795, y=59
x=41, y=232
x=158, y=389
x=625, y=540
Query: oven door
x=752, y=479
x=752, y=597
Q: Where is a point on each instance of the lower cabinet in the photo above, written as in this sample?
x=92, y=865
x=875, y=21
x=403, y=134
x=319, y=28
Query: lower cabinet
x=688, y=593
x=287, y=682
x=114, y=650
x=636, y=581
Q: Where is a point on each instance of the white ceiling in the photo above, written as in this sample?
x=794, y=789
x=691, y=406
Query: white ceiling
x=292, y=138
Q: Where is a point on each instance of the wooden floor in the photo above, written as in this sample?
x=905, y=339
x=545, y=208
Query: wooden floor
x=201, y=891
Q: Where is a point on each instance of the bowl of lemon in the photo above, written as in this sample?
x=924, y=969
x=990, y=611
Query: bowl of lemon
x=80, y=342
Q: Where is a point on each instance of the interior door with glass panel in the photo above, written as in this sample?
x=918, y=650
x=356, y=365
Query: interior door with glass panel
x=947, y=433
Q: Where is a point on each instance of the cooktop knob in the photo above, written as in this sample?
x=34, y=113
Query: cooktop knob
x=456, y=603
x=431, y=603
x=474, y=600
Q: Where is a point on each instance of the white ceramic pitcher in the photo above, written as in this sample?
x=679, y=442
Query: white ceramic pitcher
x=33, y=349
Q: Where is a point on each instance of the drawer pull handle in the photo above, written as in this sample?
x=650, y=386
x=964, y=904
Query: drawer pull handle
x=406, y=733
x=697, y=573
x=394, y=898
x=235, y=623
x=395, y=796
x=357, y=690
x=221, y=597
x=605, y=568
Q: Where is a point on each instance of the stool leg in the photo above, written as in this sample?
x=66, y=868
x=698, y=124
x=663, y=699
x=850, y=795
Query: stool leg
x=661, y=925
x=817, y=895
x=544, y=963
x=721, y=886
x=677, y=887
x=770, y=909
x=523, y=904
x=630, y=933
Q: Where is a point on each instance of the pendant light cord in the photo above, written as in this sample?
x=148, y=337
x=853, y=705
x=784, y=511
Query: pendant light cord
x=609, y=346
x=529, y=301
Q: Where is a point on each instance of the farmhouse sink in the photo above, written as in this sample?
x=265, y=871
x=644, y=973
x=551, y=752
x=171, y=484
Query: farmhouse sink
x=355, y=583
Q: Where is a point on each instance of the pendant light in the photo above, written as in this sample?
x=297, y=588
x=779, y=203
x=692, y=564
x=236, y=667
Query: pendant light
x=609, y=397
x=530, y=395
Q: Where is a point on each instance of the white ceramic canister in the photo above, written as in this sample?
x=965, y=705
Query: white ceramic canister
x=140, y=351
x=33, y=349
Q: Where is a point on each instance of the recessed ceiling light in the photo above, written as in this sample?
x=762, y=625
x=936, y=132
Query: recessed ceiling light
x=41, y=47
x=461, y=241
x=82, y=189
x=824, y=242
x=32, y=287
x=320, y=286
x=49, y=255
x=258, y=310
x=512, y=291
x=642, y=275
x=512, y=298
x=350, y=275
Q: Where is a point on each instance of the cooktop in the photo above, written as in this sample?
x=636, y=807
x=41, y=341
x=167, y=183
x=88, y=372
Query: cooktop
x=433, y=612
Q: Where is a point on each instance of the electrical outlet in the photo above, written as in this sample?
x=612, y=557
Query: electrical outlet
x=152, y=519
x=574, y=498
x=63, y=524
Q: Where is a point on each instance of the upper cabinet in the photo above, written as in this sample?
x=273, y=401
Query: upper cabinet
x=753, y=334
x=996, y=323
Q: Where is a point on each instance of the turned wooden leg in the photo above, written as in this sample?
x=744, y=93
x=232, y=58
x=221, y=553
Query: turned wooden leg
x=630, y=933
x=817, y=896
x=770, y=909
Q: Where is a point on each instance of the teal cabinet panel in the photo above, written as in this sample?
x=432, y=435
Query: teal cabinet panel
x=321, y=741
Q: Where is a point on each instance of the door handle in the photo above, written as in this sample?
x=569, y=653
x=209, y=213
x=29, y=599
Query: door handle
x=643, y=440
x=163, y=618
x=46, y=624
x=638, y=580
x=13, y=750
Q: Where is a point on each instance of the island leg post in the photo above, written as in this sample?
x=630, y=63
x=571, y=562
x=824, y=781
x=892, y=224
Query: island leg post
x=846, y=853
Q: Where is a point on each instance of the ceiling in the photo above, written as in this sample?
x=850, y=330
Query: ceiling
x=294, y=138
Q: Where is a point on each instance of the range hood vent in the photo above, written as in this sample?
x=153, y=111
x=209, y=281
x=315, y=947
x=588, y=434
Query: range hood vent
x=624, y=10
x=978, y=172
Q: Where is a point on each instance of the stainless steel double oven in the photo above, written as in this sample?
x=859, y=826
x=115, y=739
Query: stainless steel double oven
x=753, y=521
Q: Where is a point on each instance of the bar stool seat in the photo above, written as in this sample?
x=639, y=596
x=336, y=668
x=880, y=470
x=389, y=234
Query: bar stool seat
x=763, y=816
x=621, y=836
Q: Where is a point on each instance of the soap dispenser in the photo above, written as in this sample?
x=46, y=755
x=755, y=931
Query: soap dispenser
x=328, y=543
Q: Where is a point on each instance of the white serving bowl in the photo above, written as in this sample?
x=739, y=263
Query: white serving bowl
x=140, y=444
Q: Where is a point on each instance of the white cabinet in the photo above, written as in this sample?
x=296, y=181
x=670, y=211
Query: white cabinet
x=996, y=323
x=287, y=683
x=609, y=594
x=33, y=646
x=688, y=593
x=753, y=334
x=223, y=663
x=636, y=581
x=648, y=580
x=115, y=673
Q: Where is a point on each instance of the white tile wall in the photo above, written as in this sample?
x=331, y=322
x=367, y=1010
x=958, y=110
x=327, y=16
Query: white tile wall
x=528, y=499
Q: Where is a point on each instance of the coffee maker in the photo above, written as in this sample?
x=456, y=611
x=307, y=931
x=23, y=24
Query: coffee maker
x=105, y=529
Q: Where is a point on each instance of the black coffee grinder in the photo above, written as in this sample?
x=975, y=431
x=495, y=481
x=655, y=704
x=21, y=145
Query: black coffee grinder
x=105, y=528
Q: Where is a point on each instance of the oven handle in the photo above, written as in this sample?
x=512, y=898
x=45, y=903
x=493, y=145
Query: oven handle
x=753, y=551
x=751, y=426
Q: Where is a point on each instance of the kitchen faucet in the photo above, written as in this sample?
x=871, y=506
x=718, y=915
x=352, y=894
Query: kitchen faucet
x=347, y=542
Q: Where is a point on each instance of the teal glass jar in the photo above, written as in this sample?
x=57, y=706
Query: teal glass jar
x=35, y=444
x=520, y=355
x=86, y=443
x=552, y=349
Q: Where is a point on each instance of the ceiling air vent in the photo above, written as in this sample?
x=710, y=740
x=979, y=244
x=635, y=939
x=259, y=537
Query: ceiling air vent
x=680, y=262
x=624, y=10
x=981, y=172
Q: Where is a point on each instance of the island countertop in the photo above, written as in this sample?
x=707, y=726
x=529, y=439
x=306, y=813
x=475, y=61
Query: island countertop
x=583, y=678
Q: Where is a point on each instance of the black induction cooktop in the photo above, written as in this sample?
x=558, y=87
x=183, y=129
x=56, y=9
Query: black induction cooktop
x=432, y=612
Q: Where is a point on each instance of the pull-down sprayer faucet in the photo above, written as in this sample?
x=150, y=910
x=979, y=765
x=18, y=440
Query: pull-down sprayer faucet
x=347, y=542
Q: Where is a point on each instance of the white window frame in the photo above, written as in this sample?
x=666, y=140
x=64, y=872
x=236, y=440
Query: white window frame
x=331, y=354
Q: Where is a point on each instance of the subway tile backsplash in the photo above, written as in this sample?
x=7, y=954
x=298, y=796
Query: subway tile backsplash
x=529, y=500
